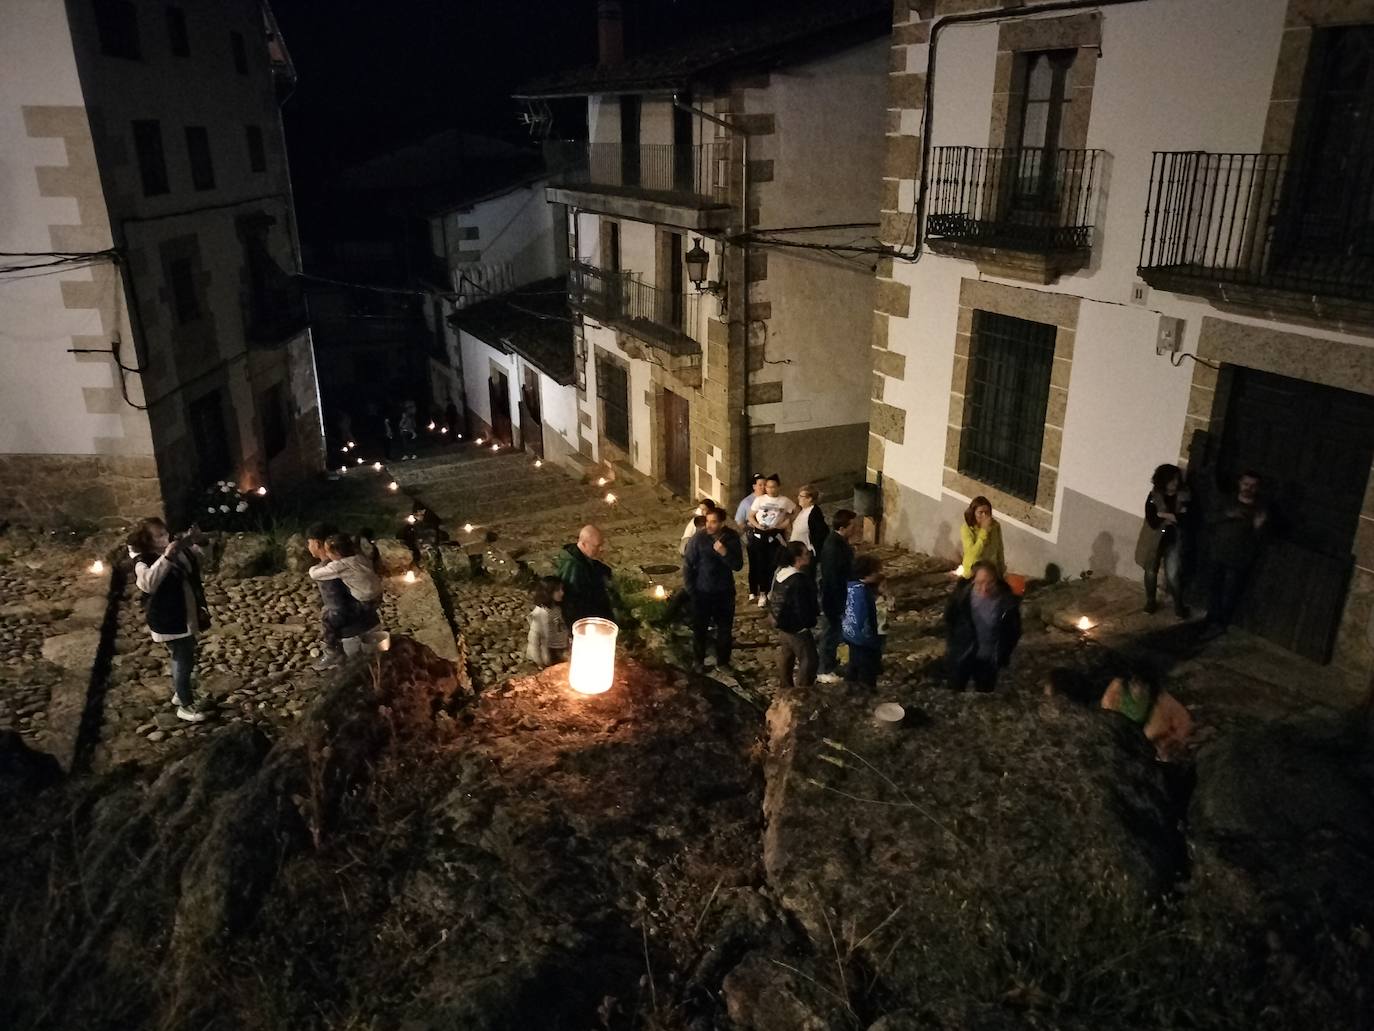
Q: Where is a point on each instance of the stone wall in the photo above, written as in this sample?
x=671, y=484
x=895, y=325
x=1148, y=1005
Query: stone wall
x=42, y=490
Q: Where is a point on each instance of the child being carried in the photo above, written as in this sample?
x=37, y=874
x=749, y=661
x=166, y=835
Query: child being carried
x=359, y=614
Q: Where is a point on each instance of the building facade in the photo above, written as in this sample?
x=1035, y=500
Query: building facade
x=163, y=344
x=741, y=161
x=1125, y=235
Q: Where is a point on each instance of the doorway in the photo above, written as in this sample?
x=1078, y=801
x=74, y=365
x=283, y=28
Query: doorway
x=498, y=387
x=677, y=443
x=531, y=420
x=206, y=416
x=1312, y=445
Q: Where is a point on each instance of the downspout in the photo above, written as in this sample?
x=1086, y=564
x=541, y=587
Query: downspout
x=743, y=242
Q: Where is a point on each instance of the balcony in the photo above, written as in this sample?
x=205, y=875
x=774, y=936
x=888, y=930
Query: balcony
x=652, y=182
x=1022, y=213
x=1263, y=233
x=662, y=320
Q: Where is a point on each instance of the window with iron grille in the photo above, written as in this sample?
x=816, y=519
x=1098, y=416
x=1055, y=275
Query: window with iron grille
x=613, y=388
x=1005, y=402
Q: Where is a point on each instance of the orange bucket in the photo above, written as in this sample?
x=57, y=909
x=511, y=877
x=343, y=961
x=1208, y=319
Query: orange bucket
x=1017, y=583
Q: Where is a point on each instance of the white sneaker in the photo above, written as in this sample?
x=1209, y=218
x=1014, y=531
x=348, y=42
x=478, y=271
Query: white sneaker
x=763, y=601
x=828, y=678
x=190, y=715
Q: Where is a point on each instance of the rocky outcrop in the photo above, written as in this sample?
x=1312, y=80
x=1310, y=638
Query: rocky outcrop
x=393, y=557
x=247, y=554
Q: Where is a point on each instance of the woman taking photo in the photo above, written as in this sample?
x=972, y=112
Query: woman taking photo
x=981, y=536
x=167, y=572
x=1161, y=539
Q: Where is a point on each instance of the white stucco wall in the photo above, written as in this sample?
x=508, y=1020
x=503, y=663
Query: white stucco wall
x=1173, y=75
x=42, y=386
x=518, y=236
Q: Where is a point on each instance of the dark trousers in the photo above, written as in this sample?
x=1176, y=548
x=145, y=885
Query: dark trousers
x=797, y=651
x=183, y=652
x=718, y=608
x=347, y=619
x=983, y=673
x=864, y=665
x=1227, y=589
x=831, y=635
x=1169, y=554
x=763, y=560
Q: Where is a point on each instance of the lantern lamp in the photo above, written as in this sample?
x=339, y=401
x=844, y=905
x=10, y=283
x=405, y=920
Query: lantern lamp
x=592, y=667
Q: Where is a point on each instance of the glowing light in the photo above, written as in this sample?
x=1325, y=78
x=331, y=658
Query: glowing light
x=262, y=492
x=468, y=528
x=411, y=519
x=959, y=569
x=376, y=467
x=539, y=463
x=1084, y=623
x=611, y=499
x=496, y=447
x=478, y=441
x=444, y=430
x=660, y=592
x=409, y=577
x=343, y=469
x=601, y=481
x=343, y=450
x=592, y=667
x=393, y=486
x=460, y=436
x=360, y=459
x=430, y=427
x=351, y=444
x=97, y=567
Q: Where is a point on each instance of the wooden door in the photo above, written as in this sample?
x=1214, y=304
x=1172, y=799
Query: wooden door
x=531, y=419
x=677, y=444
x=1312, y=445
x=498, y=387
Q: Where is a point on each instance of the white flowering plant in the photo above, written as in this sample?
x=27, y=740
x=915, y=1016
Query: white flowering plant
x=223, y=506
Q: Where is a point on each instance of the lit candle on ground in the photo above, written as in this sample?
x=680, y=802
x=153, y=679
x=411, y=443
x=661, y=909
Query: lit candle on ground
x=959, y=570
x=377, y=467
x=411, y=519
x=478, y=441
x=601, y=481
x=592, y=666
x=351, y=444
x=496, y=447
x=430, y=427
x=393, y=486
x=262, y=492
x=343, y=469
x=444, y=430
x=611, y=499
x=360, y=459
x=1084, y=623
x=468, y=528
x=539, y=463
x=97, y=567
x=409, y=577
x=660, y=592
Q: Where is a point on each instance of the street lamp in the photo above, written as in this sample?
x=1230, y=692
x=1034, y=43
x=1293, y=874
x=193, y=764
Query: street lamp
x=698, y=261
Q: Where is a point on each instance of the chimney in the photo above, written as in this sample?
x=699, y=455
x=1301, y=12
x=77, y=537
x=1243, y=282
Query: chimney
x=610, y=33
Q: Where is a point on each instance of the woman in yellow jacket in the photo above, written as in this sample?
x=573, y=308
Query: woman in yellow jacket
x=981, y=536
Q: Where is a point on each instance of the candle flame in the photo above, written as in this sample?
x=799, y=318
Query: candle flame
x=611, y=499
x=262, y=492
x=352, y=444
x=343, y=469
x=97, y=567
x=430, y=426
x=444, y=430
x=1084, y=623
x=393, y=486
x=411, y=519
x=959, y=569
x=601, y=481
x=409, y=577
x=539, y=463
x=377, y=467
x=660, y=592
x=467, y=528
x=496, y=447
x=478, y=441
x=360, y=459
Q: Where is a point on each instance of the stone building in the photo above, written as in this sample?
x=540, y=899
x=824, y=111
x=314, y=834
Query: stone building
x=1125, y=234
x=742, y=159
x=152, y=339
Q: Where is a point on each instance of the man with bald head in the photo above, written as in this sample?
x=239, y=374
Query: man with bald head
x=586, y=580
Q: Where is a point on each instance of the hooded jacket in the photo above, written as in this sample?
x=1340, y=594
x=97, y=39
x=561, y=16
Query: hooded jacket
x=860, y=624
x=586, y=585
x=704, y=570
x=792, y=601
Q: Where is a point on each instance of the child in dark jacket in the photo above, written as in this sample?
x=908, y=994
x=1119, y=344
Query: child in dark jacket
x=794, y=607
x=863, y=631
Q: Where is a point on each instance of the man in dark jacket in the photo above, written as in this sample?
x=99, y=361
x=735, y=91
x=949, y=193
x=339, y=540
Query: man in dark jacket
x=713, y=557
x=793, y=606
x=1236, y=535
x=586, y=581
x=983, y=618
x=837, y=565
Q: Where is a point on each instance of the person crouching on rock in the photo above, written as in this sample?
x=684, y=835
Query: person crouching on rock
x=983, y=618
x=862, y=632
x=1164, y=720
x=167, y=572
x=548, y=639
x=358, y=611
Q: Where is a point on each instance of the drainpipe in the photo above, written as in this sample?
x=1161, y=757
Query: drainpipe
x=743, y=243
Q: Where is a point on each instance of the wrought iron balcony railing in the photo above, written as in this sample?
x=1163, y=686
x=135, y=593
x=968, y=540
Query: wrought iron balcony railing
x=1029, y=199
x=701, y=171
x=669, y=320
x=1262, y=221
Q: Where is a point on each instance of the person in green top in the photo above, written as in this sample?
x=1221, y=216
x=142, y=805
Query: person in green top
x=981, y=536
x=1163, y=719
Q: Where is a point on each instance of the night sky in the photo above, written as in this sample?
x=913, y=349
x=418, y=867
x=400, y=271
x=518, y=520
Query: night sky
x=377, y=73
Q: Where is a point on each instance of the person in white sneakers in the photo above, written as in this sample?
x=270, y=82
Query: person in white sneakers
x=770, y=519
x=358, y=614
x=167, y=572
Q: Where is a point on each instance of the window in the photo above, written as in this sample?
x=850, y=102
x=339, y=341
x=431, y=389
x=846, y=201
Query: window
x=613, y=388
x=1045, y=97
x=629, y=140
x=152, y=163
x=116, y=24
x=177, y=39
x=257, y=155
x=272, y=410
x=1005, y=402
x=206, y=416
x=181, y=280
x=240, y=49
x=198, y=150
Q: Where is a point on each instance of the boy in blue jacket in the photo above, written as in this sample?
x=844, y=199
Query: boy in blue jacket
x=862, y=631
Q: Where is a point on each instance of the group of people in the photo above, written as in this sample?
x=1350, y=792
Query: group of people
x=167, y=572
x=394, y=426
